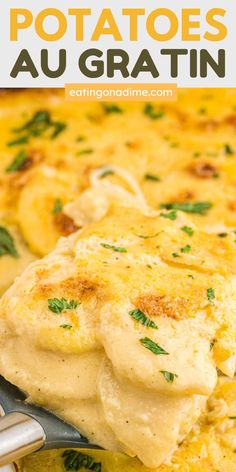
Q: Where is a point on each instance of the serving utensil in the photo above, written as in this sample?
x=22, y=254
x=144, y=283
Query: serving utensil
x=26, y=428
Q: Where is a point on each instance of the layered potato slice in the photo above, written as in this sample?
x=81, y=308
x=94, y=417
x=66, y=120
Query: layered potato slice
x=210, y=446
x=120, y=329
x=178, y=153
x=15, y=255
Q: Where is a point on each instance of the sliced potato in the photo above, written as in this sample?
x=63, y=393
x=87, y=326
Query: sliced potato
x=10, y=266
x=38, y=210
x=209, y=448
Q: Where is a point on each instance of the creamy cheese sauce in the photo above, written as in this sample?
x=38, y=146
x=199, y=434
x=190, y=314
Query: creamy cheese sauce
x=98, y=375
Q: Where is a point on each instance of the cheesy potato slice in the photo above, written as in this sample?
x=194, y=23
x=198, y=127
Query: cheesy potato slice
x=178, y=153
x=209, y=447
x=120, y=329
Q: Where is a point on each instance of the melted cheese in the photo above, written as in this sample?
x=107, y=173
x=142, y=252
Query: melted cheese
x=125, y=395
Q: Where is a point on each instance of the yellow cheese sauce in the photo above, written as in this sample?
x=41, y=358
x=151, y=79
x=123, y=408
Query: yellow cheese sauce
x=210, y=447
x=184, y=157
x=129, y=385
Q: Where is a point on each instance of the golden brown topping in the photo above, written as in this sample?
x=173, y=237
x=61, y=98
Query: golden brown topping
x=73, y=287
x=232, y=205
x=65, y=224
x=183, y=196
x=162, y=305
x=231, y=120
x=204, y=170
x=209, y=125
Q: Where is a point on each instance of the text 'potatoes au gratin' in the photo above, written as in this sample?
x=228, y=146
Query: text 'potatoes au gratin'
x=123, y=325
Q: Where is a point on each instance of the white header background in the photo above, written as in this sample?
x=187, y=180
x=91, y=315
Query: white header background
x=28, y=39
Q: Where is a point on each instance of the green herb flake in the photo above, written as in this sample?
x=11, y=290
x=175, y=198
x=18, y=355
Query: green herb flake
x=58, y=128
x=114, y=248
x=80, y=139
x=153, y=347
x=66, y=326
x=211, y=295
x=152, y=177
x=186, y=249
x=40, y=123
x=57, y=305
x=212, y=344
x=169, y=376
x=18, y=163
x=109, y=109
x=172, y=215
x=84, y=152
x=143, y=236
x=106, y=173
x=57, y=206
x=139, y=316
x=7, y=245
x=175, y=254
x=228, y=150
x=188, y=230
x=151, y=113
x=188, y=207
x=38, y=118
x=222, y=235
x=232, y=417
x=74, y=460
x=18, y=141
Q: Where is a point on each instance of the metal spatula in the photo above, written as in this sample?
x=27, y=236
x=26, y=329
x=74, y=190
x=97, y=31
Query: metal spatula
x=26, y=428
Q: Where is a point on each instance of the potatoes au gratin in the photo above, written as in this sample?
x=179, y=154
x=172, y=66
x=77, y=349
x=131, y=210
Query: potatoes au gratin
x=125, y=327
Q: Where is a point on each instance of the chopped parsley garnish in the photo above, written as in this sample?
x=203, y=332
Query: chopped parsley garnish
x=40, y=117
x=232, y=417
x=57, y=305
x=153, y=347
x=114, y=248
x=57, y=206
x=66, y=326
x=7, y=245
x=152, y=177
x=109, y=109
x=80, y=139
x=211, y=295
x=74, y=460
x=223, y=235
x=188, y=207
x=38, y=125
x=212, y=344
x=106, y=173
x=188, y=230
x=17, y=163
x=172, y=215
x=228, y=150
x=143, y=236
x=84, y=152
x=143, y=319
x=186, y=249
x=58, y=128
x=18, y=141
x=150, y=111
x=175, y=254
x=169, y=376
